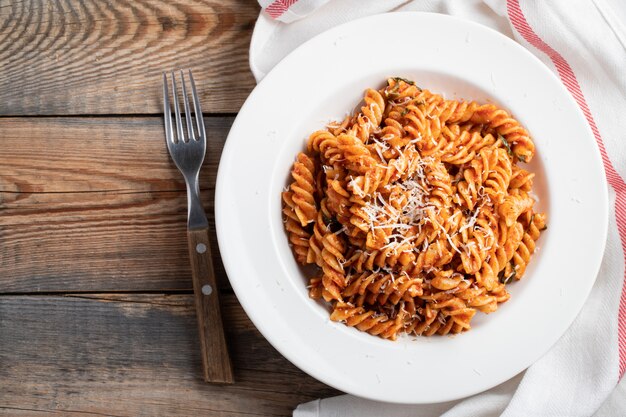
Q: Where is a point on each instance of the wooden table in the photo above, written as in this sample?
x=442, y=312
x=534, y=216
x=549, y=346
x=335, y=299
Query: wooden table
x=96, y=312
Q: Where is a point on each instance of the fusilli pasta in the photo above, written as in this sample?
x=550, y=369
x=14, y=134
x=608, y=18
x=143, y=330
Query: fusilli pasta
x=415, y=211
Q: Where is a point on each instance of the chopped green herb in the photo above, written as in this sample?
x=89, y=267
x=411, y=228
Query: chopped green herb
x=508, y=279
x=521, y=158
x=404, y=112
x=398, y=79
x=334, y=226
x=543, y=228
x=391, y=94
x=506, y=144
x=501, y=275
x=405, y=80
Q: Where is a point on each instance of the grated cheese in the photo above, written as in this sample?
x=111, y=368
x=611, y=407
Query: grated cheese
x=356, y=188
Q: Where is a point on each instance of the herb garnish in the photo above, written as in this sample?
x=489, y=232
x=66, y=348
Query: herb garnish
x=404, y=79
x=507, y=279
x=391, y=94
x=334, y=226
x=394, y=93
x=506, y=145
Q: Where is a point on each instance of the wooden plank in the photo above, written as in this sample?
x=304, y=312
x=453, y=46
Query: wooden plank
x=135, y=355
x=83, y=154
x=93, y=57
x=72, y=242
x=95, y=204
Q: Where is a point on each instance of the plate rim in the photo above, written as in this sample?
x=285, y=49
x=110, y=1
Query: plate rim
x=230, y=264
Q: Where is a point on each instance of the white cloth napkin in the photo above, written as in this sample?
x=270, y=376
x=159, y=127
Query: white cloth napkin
x=584, y=43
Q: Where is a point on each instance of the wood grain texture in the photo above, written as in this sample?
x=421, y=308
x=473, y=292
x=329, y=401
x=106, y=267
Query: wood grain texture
x=65, y=57
x=96, y=154
x=96, y=204
x=135, y=355
x=93, y=204
x=216, y=365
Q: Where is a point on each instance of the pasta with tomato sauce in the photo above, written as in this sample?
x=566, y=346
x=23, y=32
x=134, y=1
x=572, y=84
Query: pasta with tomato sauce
x=416, y=211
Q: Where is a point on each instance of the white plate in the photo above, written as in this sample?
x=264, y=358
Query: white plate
x=325, y=78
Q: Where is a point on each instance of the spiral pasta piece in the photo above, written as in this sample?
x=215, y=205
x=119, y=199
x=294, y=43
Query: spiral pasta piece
x=356, y=156
x=326, y=144
x=452, y=111
x=303, y=187
x=383, y=288
x=370, y=117
x=527, y=246
x=297, y=235
x=521, y=179
x=377, y=324
x=503, y=124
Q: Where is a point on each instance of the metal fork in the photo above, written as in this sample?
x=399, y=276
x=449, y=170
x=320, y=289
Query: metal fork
x=188, y=152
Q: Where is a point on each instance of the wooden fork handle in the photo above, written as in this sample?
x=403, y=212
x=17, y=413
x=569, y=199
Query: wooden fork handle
x=216, y=363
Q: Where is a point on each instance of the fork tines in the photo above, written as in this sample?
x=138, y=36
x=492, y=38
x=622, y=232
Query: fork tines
x=169, y=129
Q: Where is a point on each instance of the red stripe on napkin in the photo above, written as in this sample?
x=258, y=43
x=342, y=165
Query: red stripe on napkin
x=278, y=7
x=614, y=179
